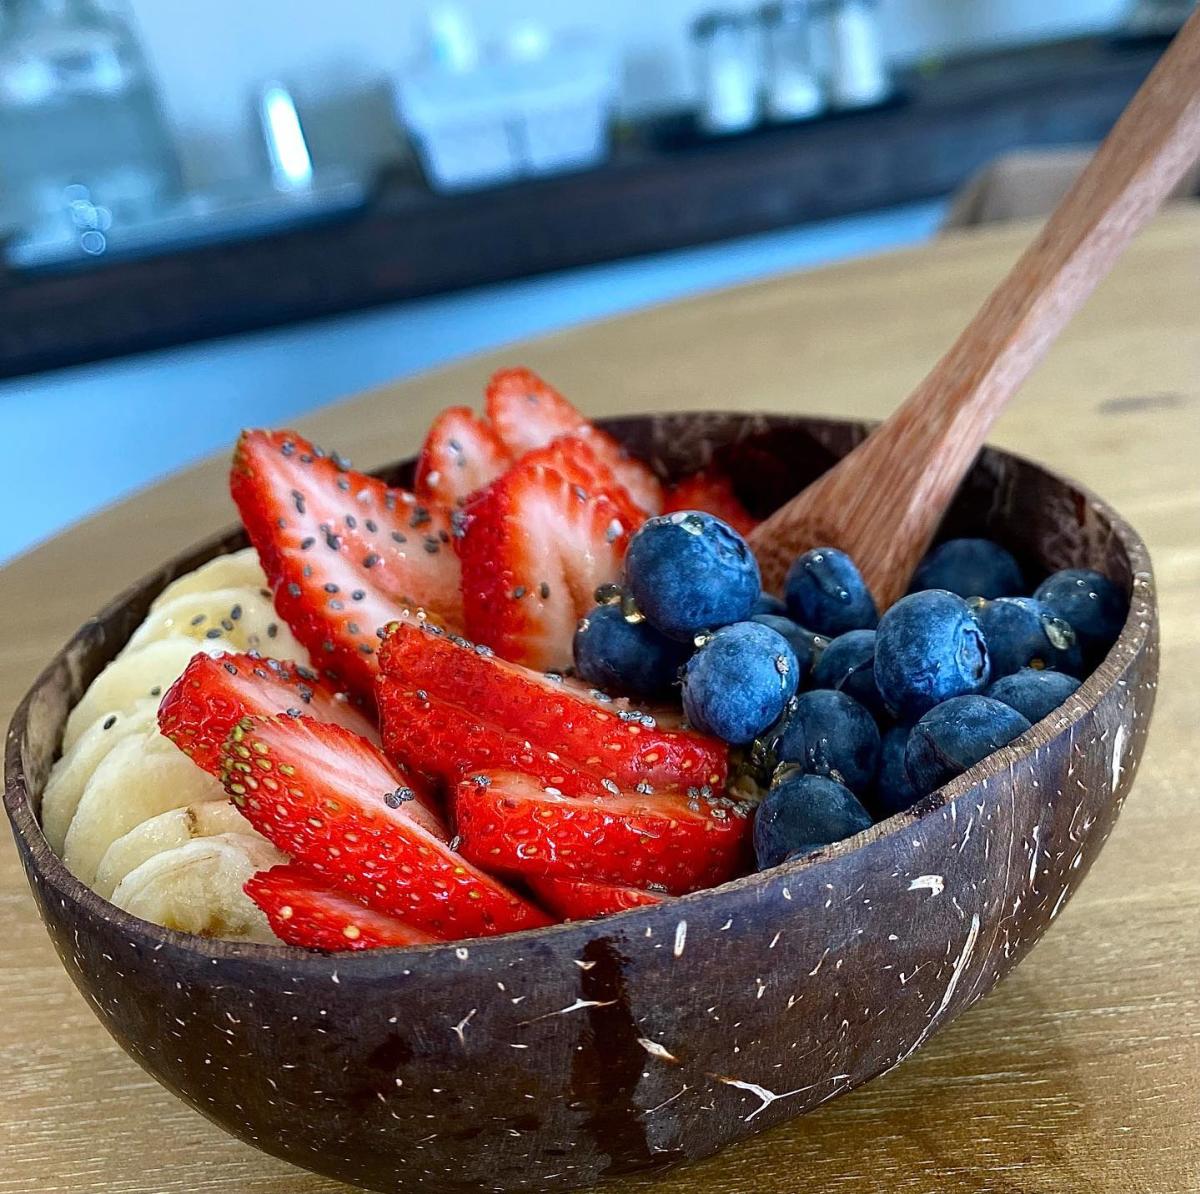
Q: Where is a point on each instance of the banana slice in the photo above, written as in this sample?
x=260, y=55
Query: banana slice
x=229, y=619
x=70, y=775
x=165, y=832
x=142, y=776
x=197, y=887
x=241, y=570
x=133, y=676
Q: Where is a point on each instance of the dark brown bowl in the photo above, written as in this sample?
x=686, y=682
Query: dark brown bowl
x=548, y=1059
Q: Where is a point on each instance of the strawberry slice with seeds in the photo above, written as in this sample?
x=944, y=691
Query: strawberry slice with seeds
x=337, y=806
x=574, y=899
x=510, y=822
x=535, y=545
x=306, y=911
x=620, y=744
x=528, y=413
x=461, y=454
x=713, y=493
x=214, y=693
x=344, y=554
x=442, y=741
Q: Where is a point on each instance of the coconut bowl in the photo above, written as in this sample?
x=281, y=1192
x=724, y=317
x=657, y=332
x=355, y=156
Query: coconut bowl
x=548, y=1059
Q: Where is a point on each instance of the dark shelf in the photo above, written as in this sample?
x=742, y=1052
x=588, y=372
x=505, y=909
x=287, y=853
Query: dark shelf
x=647, y=198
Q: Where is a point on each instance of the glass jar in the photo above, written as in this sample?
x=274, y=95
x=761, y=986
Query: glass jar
x=858, y=71
x=793, y=89
x=730, y=73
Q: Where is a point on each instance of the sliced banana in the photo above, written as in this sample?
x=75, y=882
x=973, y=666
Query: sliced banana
x=222, y=619
x=165, y=832
x=70, y=775
x=134, y=675
x=142, y=776
x=241, y=570
x=197, y=887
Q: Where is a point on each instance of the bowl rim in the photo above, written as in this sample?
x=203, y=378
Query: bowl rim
x=53, y=872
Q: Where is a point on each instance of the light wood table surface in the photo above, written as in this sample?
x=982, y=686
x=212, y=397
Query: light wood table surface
x=1082, y=1070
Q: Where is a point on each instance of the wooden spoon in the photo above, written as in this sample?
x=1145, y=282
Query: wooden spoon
x=883, y=502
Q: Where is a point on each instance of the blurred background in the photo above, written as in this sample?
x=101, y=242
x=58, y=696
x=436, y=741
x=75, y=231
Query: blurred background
x=225, y=214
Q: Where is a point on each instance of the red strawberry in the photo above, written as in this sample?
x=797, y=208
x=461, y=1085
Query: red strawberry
x=306, y=911
x=576, y=900
x=713, y=493
x=427, y=735
x=334, y=803
x=343, y=553
x=536, y=544
x=620, y=745
x=527, y=413
x=461, y=454
x=216, y=692
x=510, y=822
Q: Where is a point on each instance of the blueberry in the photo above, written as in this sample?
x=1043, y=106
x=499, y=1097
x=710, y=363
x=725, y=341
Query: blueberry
x=955, y=735
x=1022, y=632
x=627, y=657
x=848, y=665
x=738, y=682
x=1090, y=602
x=690, y=572
x=928, y=648
x=970, y=568
x=802, y=813
x=806, y=645
x=1033, y=694
x=768, y=603
x=824, y=590
x=829, y=733
x=894, y=791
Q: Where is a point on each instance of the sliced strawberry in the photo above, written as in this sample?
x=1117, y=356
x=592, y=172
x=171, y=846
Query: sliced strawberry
x=573, y=899
x=306, y=911
x=461, y=454
x=713, y=493
x=344, y=554
x=334, y=803
x=437, y=739
x=510, y=822
x=527, y=413
x=536, y=543
x=621, y=745
x=216, y=692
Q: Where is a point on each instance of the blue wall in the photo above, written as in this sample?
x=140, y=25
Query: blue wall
x=77, y=439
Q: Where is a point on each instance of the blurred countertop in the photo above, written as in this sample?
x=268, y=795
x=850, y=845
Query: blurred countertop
x=661, y=190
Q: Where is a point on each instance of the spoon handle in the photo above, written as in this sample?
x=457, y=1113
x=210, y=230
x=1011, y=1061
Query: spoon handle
x=883, y=502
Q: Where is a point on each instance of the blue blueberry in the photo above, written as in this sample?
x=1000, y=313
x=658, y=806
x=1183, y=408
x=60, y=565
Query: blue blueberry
x=802, y=813
x=768, y=603
x=738, y=682
x=806, y=645
x=626, y=657
x=1033, y=694
x=955, y=735
x=689, y=572
x=825, y=591
x=1022, y=632
x=847, y=664
x=928, y=648
x=970, y=568
x=894, y=791
x=829, y=733
x=1090, y=602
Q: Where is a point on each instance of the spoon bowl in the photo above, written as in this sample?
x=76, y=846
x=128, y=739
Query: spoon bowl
x=549, y=1059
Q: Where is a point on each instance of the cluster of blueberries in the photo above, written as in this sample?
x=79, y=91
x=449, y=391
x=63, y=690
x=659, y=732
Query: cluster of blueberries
x=844, y=713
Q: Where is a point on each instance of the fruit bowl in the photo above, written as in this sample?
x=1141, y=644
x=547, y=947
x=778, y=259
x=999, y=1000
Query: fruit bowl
x=548, y=1059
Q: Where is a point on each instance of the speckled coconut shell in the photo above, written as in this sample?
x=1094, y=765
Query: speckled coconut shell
x=548, y=1059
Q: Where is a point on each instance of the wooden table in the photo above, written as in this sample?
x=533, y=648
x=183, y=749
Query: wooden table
x=1082, y=1071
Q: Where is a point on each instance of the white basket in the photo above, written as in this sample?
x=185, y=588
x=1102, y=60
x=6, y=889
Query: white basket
x=509, y=120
